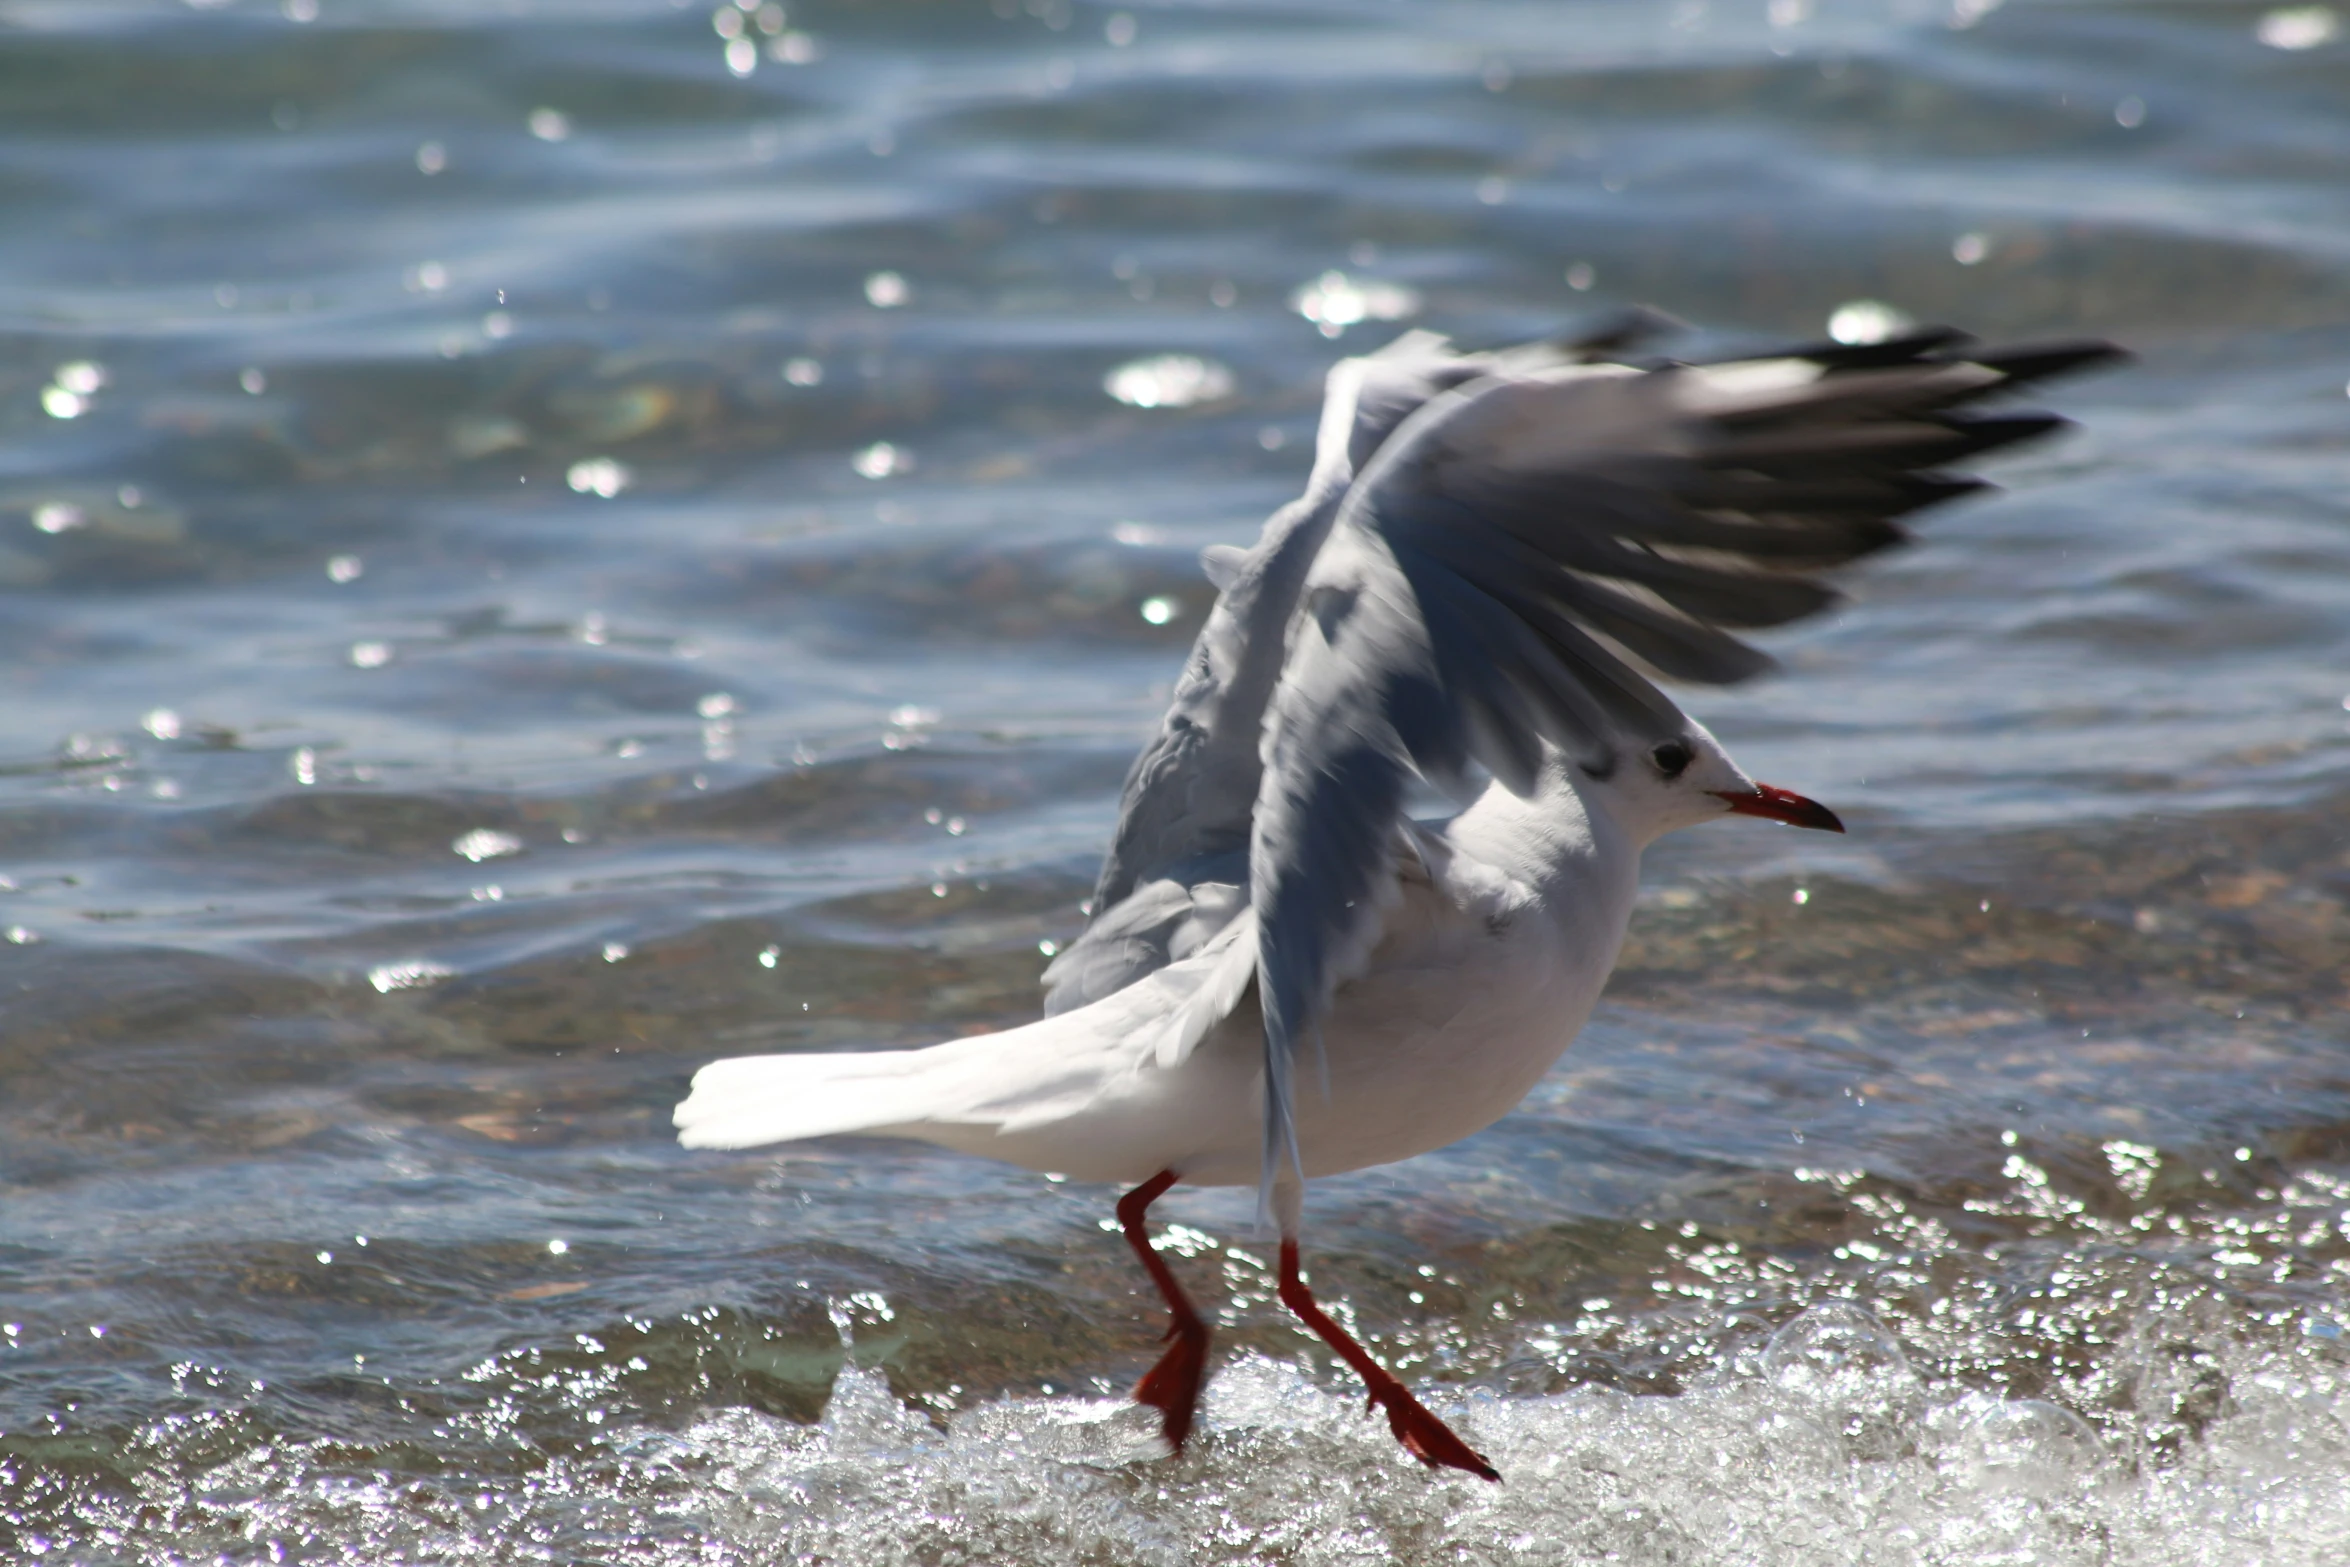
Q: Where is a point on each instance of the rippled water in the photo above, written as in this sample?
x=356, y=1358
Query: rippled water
x=543, y=543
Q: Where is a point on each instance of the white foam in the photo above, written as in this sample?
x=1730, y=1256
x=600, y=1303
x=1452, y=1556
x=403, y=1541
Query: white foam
x=1832, y=1451
x=1824, y=1446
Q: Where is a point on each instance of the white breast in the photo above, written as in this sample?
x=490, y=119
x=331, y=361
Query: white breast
x=1485, y=974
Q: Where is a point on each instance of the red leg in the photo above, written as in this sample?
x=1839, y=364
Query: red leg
x=1172, y=1386
x=1424, y=1436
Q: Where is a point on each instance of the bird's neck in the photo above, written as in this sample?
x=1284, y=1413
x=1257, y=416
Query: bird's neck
x=1563, y=828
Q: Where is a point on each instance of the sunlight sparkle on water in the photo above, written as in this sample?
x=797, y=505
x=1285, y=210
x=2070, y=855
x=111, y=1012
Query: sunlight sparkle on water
x=410, y=975
x=1867, y=321
x=1168, y=381
x=1334, y=302
x=2298, y=27
x=882, y=459
x=485, y=843
x=599, y=476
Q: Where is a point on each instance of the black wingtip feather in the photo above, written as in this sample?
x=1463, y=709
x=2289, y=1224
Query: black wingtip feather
x=1938, y=489
x=1980, y=435
x=1853, y=501
x=1915, y=344
x=2040, y=361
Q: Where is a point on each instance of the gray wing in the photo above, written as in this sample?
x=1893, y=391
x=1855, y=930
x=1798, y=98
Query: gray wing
x=1191, y=790
x=1526, y=551
x=1162, y=920
x=1183, y=819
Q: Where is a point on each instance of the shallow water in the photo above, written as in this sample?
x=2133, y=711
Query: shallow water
x=531, y=557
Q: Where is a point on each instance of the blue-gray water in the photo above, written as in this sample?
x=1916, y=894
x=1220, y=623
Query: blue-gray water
x=391, y=818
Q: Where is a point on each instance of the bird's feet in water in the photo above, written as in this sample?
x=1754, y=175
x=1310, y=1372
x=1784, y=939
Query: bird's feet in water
x=1172, y=1386
x=1423, y=1436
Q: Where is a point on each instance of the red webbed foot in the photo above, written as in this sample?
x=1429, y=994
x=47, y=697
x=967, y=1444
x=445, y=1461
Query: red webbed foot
x=1423, y=1436
x=1172, y=1386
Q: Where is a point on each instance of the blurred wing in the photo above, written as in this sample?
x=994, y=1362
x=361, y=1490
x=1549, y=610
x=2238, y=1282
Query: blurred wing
x=1525, y=552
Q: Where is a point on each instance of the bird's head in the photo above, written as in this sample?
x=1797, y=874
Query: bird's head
x=1659, y=786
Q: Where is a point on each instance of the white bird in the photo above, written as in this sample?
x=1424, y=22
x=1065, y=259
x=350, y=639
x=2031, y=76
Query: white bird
x=1492, y=555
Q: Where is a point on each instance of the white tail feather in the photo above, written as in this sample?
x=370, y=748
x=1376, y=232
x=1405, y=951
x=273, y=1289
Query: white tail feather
x=751, y=1100
x=983, y=1093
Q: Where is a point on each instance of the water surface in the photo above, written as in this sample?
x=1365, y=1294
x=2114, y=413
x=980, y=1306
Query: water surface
x=540, y=544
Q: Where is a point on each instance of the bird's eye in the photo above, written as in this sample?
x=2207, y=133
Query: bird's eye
x=1672, y=758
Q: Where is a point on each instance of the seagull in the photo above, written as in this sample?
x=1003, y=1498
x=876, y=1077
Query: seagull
x=1287, y=973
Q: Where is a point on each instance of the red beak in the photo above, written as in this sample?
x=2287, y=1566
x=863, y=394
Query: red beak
x=1781, y=805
